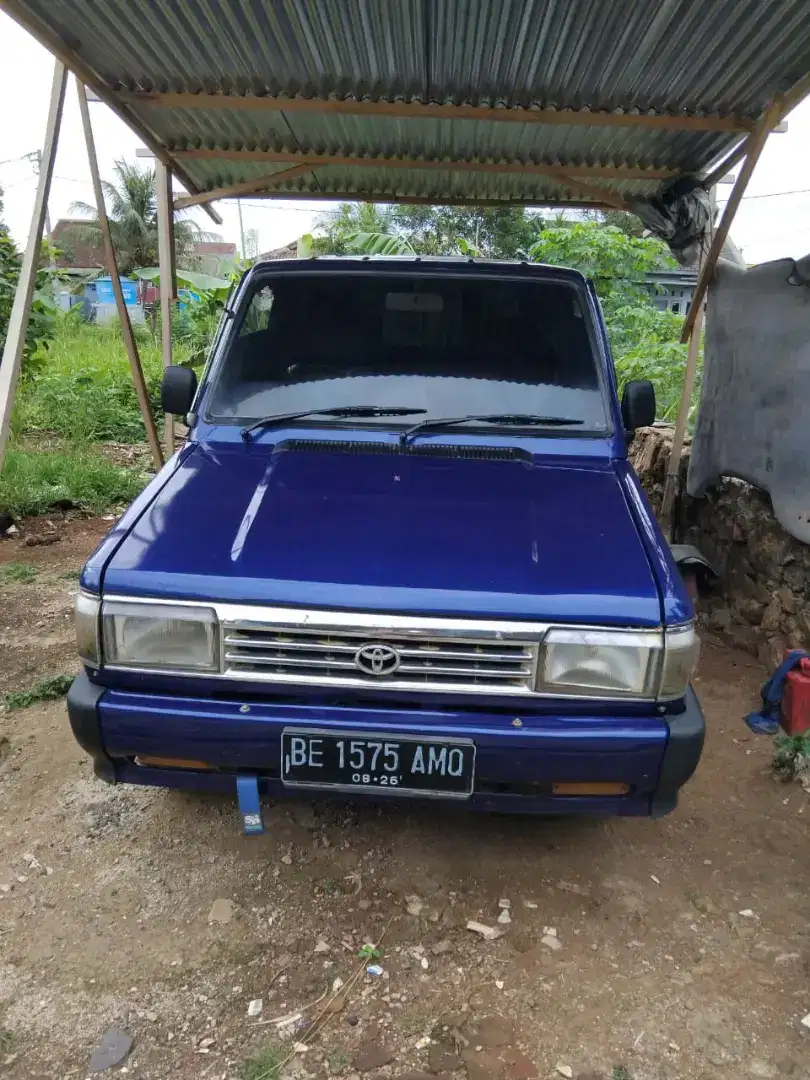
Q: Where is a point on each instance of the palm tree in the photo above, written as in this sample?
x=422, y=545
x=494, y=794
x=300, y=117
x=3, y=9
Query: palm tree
x=132, y=212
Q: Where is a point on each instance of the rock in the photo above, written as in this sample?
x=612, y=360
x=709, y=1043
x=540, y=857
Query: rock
x=572, y=887
x=504, y=918
x=482, y=1065
x=441, y=947
x=551, y=941
x=504, y=903
x=287, y=860
x=717, y=1036
x=373, y=1054
x=206, y=1044
x=747, y=913
x=414, y=1075
x=763, y=1070
x=491, y=1031
x=414, y=905
x=363, y=905
x=442, y=1058
x=151, y=1017
x=321, y=946
x=487, y=932
x=805, y=1021
x=222, y=910
x=255, y=1007
x=564, y=1070
x=113, y=1050
x=787, y=600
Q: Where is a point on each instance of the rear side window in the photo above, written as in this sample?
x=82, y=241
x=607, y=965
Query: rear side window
x=449, y=346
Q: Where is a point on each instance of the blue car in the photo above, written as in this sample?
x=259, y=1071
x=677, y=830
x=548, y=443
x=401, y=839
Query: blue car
x=401, y=554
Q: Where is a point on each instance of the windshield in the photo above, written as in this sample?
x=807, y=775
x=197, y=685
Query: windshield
x=439, y=346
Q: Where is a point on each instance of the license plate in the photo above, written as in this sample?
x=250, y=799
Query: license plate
x=403, y=765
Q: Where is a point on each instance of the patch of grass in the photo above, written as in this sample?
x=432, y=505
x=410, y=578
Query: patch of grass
x=791, y=759
x=331, y=887
x=619, y=1073
x=338, y=1060
x=70, y=575
x=264, y=1064
x=21, y=572
x=49, y=689
x=31, y=482
x=84, y=392
x=7, y=1040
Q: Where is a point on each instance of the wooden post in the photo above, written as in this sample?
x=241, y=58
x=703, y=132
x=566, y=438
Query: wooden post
x=112, y=269
x=168, y=280
x=21, y=308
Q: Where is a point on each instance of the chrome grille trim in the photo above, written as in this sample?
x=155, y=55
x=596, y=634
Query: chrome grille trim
x=290, y=646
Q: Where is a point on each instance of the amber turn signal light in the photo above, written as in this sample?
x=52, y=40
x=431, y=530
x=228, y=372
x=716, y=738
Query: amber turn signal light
x=598, y=788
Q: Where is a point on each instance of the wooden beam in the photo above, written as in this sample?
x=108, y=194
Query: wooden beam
x=112, y=269
x=247, y=187
x=60, y=49
x=754, y=146
x=681, y=422
x=24, y=292
x=615, y=202
x=386, y=197
x=519, y=168
x=428, y=111
x=168, y=282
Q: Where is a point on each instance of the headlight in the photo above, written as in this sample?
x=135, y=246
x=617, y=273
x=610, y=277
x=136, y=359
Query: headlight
x=600, y=663
x=618, y=663
x=166, y=636
x=681, y=651
x=87, y=607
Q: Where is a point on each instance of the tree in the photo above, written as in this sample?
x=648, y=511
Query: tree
x=493, y=232
x=132, y=211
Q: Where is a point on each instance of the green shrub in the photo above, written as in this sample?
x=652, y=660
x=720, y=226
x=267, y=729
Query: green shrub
x=45, y=690
x=31, y=482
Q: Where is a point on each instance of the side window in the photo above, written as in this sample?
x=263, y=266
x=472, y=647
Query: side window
x=257, y=317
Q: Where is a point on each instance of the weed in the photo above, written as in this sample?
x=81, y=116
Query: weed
x=791, y=759
x=330, y=887
x=31, y=482
x=70, y=575
x=619, y=1073
x=49, y=689
x=7, y=1040
x=338, y=1060
x=264, y=1064
x=21, y=572
x=369, y=953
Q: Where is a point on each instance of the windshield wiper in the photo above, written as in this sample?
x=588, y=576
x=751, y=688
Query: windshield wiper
x=497, y=419
x=338, y=411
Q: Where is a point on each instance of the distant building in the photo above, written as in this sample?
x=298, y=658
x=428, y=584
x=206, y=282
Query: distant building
x=672, y=290
x=289, y=251
x=215, y=257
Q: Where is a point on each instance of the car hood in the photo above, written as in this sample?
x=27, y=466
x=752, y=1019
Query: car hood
x=551, y=539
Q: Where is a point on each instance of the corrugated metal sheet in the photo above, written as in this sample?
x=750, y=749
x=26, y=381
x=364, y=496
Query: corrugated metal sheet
x=714, y=57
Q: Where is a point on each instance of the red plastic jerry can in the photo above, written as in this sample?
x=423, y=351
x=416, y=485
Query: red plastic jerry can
x=796, y=699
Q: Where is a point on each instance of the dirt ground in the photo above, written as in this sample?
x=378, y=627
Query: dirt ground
x=684, y=943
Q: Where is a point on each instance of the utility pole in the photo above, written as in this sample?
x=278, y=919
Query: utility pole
x=241, y=228
x=35, y=157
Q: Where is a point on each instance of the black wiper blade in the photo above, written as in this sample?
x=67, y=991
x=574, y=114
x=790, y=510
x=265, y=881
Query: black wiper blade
x=502, y=419
x=338, y=411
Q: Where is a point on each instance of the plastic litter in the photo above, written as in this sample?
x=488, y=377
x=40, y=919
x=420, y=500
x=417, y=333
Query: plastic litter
x=374, y=969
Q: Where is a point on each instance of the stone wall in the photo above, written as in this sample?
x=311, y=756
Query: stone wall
x=762, y=601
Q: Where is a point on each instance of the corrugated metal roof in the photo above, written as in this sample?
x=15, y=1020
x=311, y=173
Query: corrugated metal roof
x=724, y=58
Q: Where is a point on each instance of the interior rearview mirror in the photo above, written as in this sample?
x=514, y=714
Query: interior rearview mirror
x=638, y=404
x=178, y=390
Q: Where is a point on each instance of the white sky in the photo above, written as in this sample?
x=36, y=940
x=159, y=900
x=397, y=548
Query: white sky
x=765, y=228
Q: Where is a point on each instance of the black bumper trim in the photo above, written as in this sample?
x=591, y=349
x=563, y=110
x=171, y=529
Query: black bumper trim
x=82, y=705
x=687, y=731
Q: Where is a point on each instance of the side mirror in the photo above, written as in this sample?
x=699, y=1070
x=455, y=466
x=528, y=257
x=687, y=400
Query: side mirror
x=178, y=389
x=638, y=404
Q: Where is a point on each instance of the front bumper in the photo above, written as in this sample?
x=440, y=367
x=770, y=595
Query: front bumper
x=517, y=763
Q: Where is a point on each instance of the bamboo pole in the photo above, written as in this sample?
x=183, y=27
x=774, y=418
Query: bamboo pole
x=112, y=269
x=24, y=293
x=168, y=281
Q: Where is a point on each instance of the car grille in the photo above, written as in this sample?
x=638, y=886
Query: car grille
x=425, y=661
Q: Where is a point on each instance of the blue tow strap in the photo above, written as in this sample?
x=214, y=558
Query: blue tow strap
x=766, y=721
x=247, y=792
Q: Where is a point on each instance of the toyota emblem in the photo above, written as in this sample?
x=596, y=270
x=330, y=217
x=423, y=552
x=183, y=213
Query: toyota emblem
x=377, y=659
